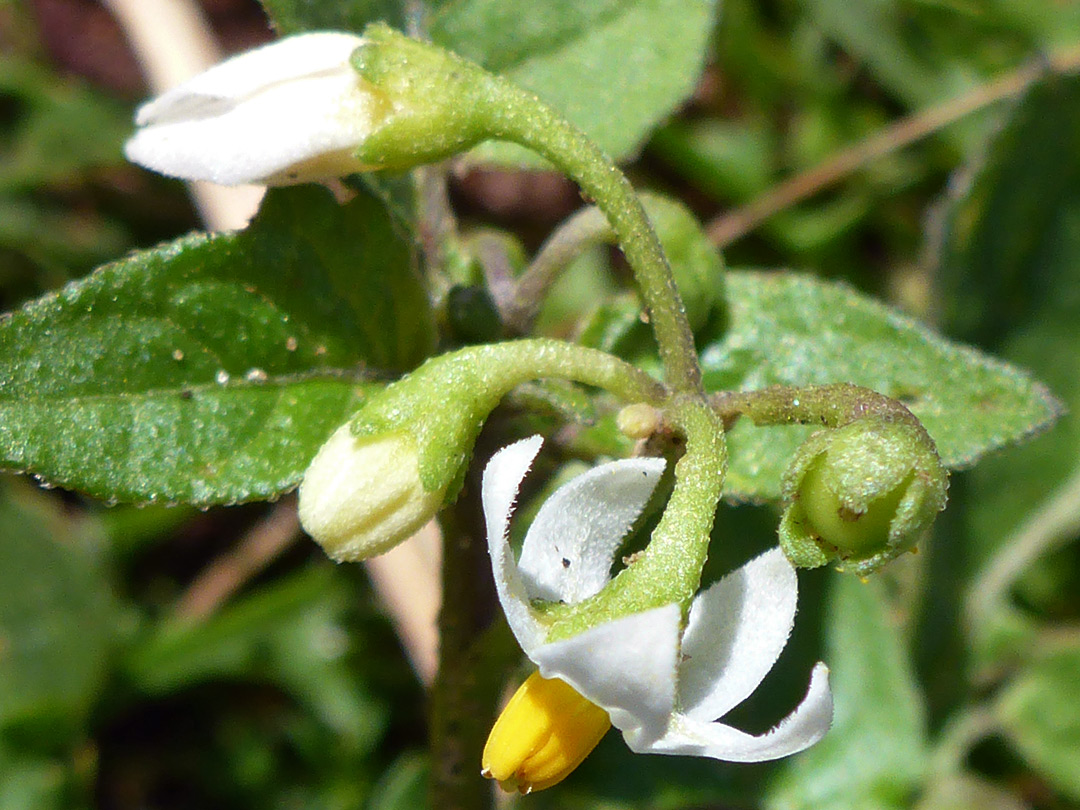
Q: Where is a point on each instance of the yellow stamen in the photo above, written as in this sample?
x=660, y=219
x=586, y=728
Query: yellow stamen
x=546, y=730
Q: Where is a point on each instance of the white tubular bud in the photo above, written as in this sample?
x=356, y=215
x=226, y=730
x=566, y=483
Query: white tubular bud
x=362, y=496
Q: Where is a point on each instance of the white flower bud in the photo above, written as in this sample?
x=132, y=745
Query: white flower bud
x=288, y=112
x=362, y=496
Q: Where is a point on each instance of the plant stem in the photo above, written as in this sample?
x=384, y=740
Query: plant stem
x=669, y=569
x=958, y=738
x=585, y=228
x=496, y=368
x=462, y=709
x=830, y=406
x=1055, y=521
x=518, y=116
x=734, y=225
x=436, y=225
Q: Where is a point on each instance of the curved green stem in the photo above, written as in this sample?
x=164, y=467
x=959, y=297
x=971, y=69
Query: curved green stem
x=435, y=104
x=833, y=405
x=584, y=229
x=518, y=116
x=669, y=569
x=501, y=366
x=443, y=404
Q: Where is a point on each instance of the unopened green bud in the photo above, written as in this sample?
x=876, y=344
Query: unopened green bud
x=639, y=421
x=695, y=262
x=861, y=494
x=362, y=496
x=472, y=314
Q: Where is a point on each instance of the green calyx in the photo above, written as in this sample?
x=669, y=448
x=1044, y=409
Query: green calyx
x=437, y=100
x=861, y=494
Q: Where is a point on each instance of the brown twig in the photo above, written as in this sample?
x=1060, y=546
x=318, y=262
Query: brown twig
x=173, y=41
x=732, y=226
x=407, y=581
x=266, y=540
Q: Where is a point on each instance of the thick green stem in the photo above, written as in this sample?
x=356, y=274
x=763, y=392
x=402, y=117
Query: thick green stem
x=518, y=116
x=669, y=570
x=830, y=406
x=501, y=366
x=475, y=658
x=443, y=404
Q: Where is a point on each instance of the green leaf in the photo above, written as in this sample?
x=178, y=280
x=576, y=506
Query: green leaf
x=56, y=616
x=211, y=369
x=31, y=783
x=792, y=329
x=615, y=68
x=59, y=128
x=1012, y=226
x=404, y=785
x=294, y=16
x=1010, y=264
x=910, y=54
x=1038, y=712
x=875, y=754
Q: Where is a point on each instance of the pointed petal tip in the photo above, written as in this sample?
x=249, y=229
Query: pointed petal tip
x=499, y=491
x=805, y=726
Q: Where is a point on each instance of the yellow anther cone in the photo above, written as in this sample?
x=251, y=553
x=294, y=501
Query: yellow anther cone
x=546, y=730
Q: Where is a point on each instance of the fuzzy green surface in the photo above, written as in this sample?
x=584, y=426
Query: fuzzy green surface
x=791, y=329
x=210, y=369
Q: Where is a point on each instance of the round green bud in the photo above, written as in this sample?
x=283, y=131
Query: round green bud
x=639, y=421
x=695, y=262
x=861, y=494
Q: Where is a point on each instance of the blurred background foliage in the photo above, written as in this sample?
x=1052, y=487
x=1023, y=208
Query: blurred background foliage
x=122, y=685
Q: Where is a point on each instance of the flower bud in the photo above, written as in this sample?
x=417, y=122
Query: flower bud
x=405, y=453
x=384, y=474
x=639, y=421
x=862, y=494
x=289, y=112
x=362, y=496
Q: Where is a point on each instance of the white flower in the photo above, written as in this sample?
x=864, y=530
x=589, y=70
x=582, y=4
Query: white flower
x=288, y=112
x=663, y=687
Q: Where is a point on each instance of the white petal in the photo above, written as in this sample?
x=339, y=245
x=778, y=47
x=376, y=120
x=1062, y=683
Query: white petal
x=799, y=730
x=627, y=666
x=502, y=478
x=248, y=73
x=737, y=629
x=256, y=116
x=568, y=551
